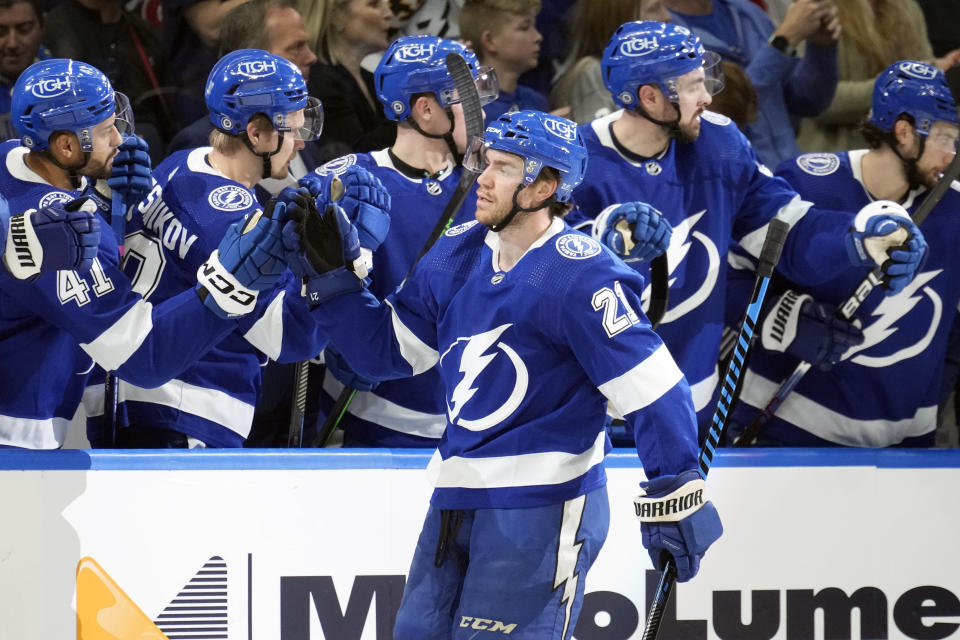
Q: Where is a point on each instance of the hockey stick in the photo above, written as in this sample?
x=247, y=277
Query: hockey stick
x=473, y=119
x=659, y=277
x=769, y=256
x=845, y=312
x=111, y=421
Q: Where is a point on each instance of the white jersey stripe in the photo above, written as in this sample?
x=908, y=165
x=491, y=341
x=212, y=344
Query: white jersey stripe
x=114, y=346
x=210, y=404
x=522, y=470
x=702, y=391
x=644, y=384
x=266, y=334
x=30, y=433
x=416, y=352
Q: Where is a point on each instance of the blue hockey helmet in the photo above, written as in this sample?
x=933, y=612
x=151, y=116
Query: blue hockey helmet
x=648, y=52
x=417, y=64
x=542, y=140
x=914, y=88
x=246, y=82
x=65, y=95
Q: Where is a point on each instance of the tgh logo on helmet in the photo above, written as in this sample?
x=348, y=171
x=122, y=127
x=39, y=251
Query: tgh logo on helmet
x=918, y=70
x=415, y=52
x=636, y=47
x=561, y=128
x=51, y=87
x=254, y=69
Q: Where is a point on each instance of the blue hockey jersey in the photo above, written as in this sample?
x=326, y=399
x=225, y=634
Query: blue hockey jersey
x=529, y=359
x=713, y=191
x=170, y=234
x=406, y=412
x=53, y=329
x=886, y=390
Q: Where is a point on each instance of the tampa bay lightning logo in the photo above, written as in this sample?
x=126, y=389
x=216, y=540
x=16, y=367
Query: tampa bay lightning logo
x=230, y=198
x=51, y=87
x=885, y=333
x=683, y=242
x=415, y=52
x=254, y=69
x=54, y=197
x=577, y=247
x=561, y=128
x=716, y=118
x=337, y=166
x=918, y=70
x=506, y=369
x=460, y=228
x=818, y=164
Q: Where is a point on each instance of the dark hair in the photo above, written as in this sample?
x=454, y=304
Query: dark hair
x=557, y=209
x=245, y=26
x=877, y=137
x=36, y=4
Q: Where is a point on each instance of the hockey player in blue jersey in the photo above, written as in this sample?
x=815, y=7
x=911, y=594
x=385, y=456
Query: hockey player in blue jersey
x=33, y=242
x=875, y=384
x=698, y=169
x=535, y=327
x=421, y=171
x=55, y=328
x=262, y=115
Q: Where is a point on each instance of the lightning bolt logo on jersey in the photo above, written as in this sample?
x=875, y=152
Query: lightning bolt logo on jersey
x=886, y=389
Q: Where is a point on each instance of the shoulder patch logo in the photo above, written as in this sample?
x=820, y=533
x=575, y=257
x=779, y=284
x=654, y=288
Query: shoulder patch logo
x=716, y=118
x=54, y=197
x=818, y=164
x=230, y=198
x=460, y=228
x=577, y=247
x=337, y=166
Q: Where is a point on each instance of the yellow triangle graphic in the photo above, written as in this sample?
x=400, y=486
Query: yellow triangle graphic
x=105, y=612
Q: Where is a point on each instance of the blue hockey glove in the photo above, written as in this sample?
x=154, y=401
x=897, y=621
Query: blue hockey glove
x=885, y=236
x=250, y=259
x=808, y=330
x=360, y=194
x=61, y=236
x=635, y=231
x=676, y=519
x=131, y=177
x=344, y=374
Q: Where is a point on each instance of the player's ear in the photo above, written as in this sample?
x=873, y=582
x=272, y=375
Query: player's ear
x=903, y=132
x=65, y=146
x=648, y=95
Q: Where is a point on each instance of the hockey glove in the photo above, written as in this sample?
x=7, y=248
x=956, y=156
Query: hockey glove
x=635, y=231
x=53, y=238
x=885, y=236
x=676, y=519
x=360, y=194
x=808, y=330
x=250, y=259
x=131, y=177
x=337, y=366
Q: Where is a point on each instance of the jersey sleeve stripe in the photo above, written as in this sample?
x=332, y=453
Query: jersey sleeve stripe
x=210, y=404
x=33, y=433
x=644, y=384
x=266, y=334
x=789, y=213
x=367, y=405
x=416, y=352
x=523, y=470
x=114, y=346
x=702, y=391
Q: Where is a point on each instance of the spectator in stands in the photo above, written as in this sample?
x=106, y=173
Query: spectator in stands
x=504, y=36
x=581, y=86
x=127, y=49
x=875, y=34
x=788, y=86
x=21, y=30
x=191, y=31
x=344, y=32
x=276, y=27
x=738, y=99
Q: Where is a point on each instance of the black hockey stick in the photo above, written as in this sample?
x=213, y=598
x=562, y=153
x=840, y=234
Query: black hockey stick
x=111, y=419
x=769, y=256
x=659, y=278
x=845, y=312
x=473, y=120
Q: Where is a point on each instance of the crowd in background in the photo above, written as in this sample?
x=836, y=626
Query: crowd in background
x=799, y=74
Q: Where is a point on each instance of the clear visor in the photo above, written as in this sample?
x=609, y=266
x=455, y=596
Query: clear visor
x=305, y=124
x=508, y=165
x=124, y=113
x=943, y=136
x=708, y=78
x=475, y=157
x=488, y=88
x=102, y=136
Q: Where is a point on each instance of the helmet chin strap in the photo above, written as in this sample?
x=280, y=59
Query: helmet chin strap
x=72, y=174
x=265, y=156
x=515, y=209
x=446, y=137
x=672, y=126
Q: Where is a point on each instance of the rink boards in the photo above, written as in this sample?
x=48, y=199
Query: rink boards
x=314, y=544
